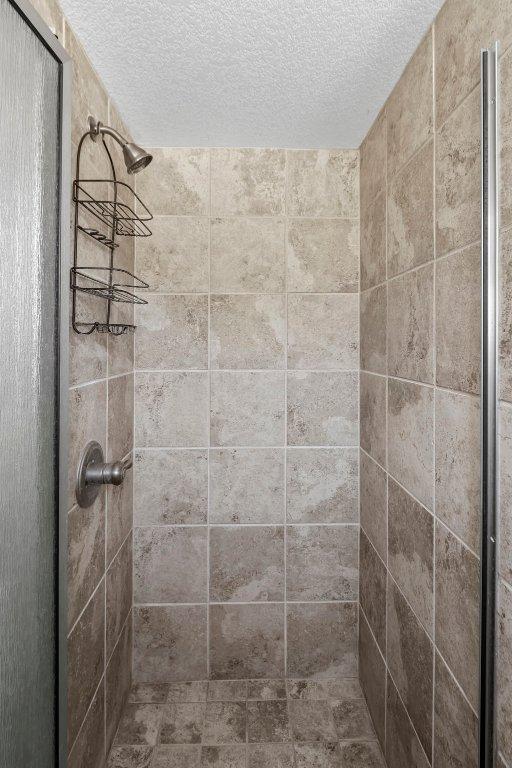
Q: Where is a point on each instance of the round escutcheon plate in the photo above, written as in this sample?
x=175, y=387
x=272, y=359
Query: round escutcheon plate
x=87, y=493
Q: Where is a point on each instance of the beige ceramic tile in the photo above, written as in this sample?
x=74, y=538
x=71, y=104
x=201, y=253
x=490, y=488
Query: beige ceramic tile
x=170, y=564
x=410, y=661
x=458, y=299
x=322, y=485
x=403, y=747
x=505, y=129
x=323, y=255
x=172, y=332
x=373, y=318
x=411, y=438
x=86, y=554
x=50, y=12
x=86, y=660
x=323, y=408
x=505, y=491
x=323, y=182
x=88, y=95
x=463, y=27
x=410, y=325
x=171, y=409
x=227, y=690
x=505, y=316
x=247, y=255
x=120, y=348
x=363, y=752
x=410, y=108
x=247, y=408
x=176, y=183
x=373, y=242
x=458, y=178
x=140, y=724
x=262, y=755
x=458, y=465
x=266, y=690
x=411, y=552
x=373, y=503
x=87, y=352
x=88, y=421
x=373, y=162
x=504, y=682
x=321, y=563
x=311, y=721
x=373, y=416
x=170, y=487
x=248, y=331
x=372, y=589
x=248, y=182
x=119, y=514
x=411, y=213
x=89, y=747
x=247, y=485
x=372, y=673
x=246, y=641
x=175, y=258
x=322, y=640
x=118, y=679
x=120, y=417
x=457, y=610
x=169, y=643
x=455, y=723
x=225, y=722
x=352, y=721
x=246, y=564
x=119, y=595
x=141, y=755
x=314, y=337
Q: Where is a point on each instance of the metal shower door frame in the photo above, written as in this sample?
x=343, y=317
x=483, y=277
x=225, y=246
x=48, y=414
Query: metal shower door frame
x=489, y=404
x=51, y=43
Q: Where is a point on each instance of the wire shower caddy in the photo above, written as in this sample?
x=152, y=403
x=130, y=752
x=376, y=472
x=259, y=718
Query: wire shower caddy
x=101, y=200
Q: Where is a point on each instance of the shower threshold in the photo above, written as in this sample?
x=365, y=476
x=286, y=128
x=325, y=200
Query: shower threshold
x=246, y=724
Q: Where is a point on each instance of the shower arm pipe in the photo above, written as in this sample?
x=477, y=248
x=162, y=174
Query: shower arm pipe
x=97, y=128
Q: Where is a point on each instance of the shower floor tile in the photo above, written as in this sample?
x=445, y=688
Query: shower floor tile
x=246, y=724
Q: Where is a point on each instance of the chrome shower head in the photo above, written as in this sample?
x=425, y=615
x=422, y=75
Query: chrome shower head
x=135, y=157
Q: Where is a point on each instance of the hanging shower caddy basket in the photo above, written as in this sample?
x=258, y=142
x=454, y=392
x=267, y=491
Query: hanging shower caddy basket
x=103, y=202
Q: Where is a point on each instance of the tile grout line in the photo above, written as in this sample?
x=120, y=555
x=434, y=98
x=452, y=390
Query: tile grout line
x=248, y=525
x=176, y=448
x=427, y=385
x=388, y=674
x=436, y=258
x=254, y=602
x=438, y=520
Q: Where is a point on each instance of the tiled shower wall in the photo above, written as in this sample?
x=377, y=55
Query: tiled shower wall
x=246, y=416
x=101, y=408
x=420, y=337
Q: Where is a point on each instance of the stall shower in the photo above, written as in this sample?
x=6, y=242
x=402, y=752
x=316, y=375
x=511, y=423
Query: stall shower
x=274, y=544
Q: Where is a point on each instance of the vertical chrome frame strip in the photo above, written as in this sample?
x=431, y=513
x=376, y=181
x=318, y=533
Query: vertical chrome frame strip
x=489, y=402
x=47, y=37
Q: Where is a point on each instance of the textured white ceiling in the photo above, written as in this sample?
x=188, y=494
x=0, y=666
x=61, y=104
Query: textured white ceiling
x=285, y=73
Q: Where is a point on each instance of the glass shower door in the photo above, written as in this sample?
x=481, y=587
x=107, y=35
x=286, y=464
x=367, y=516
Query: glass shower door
x=30, y=163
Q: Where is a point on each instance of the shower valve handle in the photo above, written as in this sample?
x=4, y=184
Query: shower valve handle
x=107, y=474
x=93, y=472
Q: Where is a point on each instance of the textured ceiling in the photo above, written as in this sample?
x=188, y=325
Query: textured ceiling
x=286, y=73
